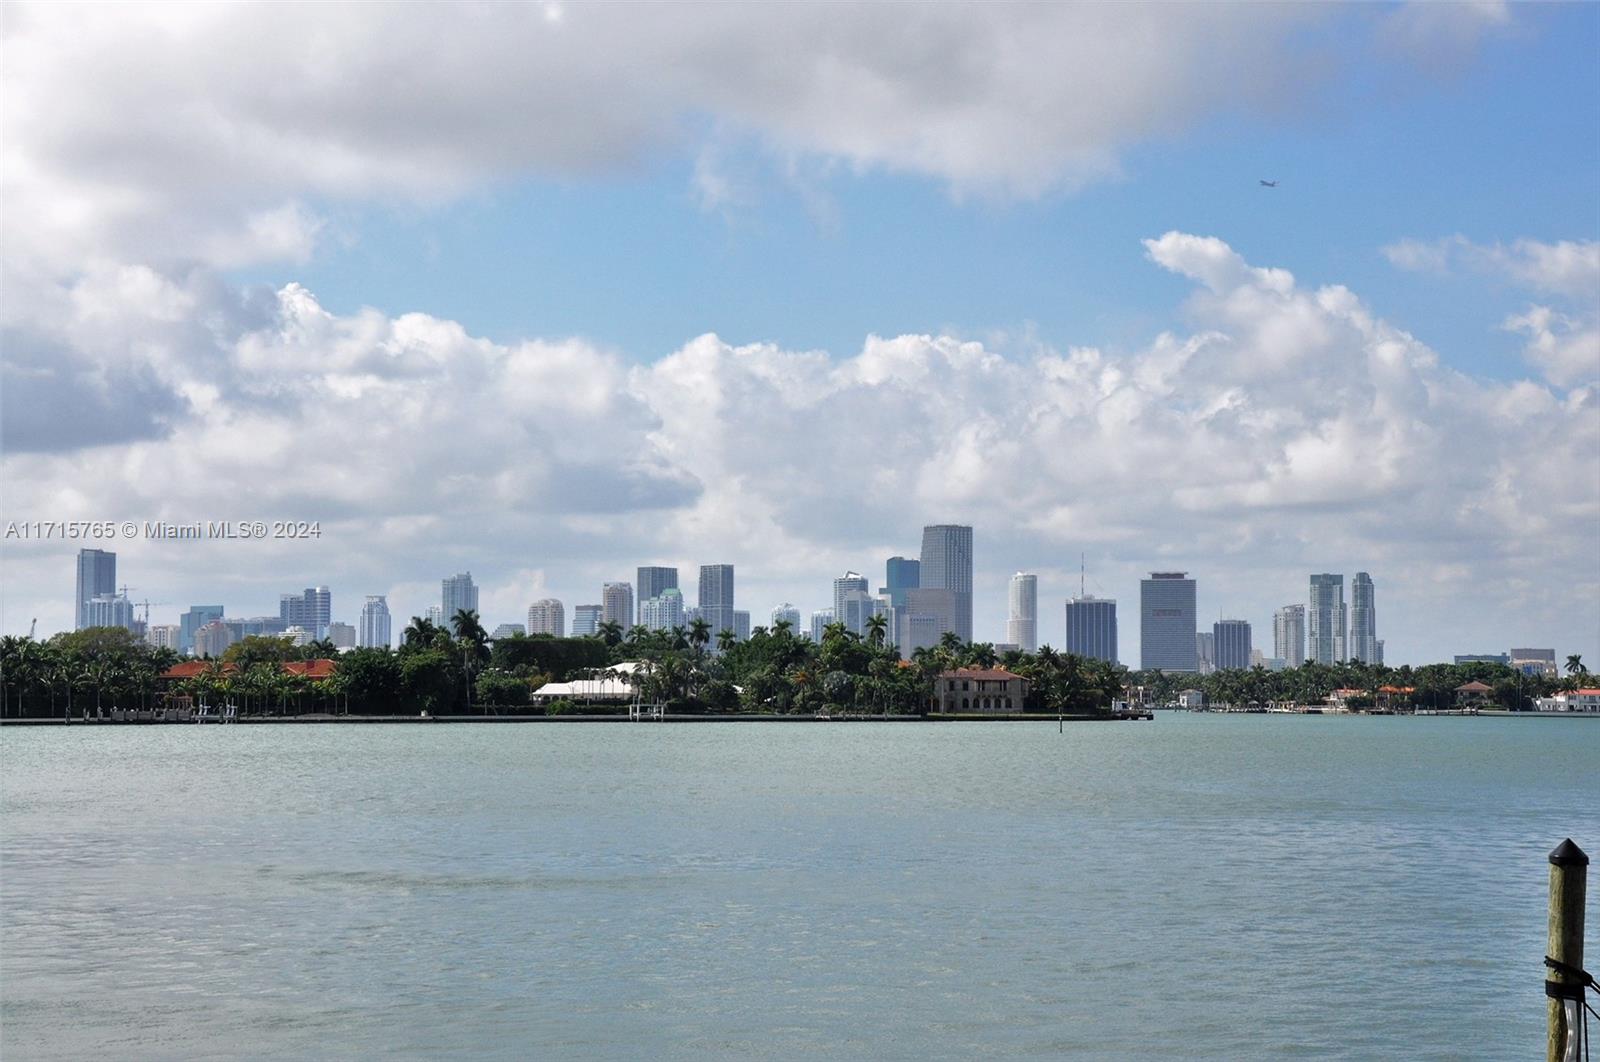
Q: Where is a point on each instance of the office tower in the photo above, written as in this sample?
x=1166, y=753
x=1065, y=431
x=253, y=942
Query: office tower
x=110, y=610
x=901, y=574
x=716, y=598
x=1204, y=649
x=375, y=629
x=434, y=614
x=741, y=626
x=787, y=613
x=947, y=565
x=1530, y=661
x=1289, y=635
x=616, y=604
x=1363, y=620
x=855, y=607
x=191, y=622
x=162, y=636
x=1230, y=640
x=1380, y=652
x=547, y=616
x=1325, y=620
x=311, y=608
x=651, y=582
x=342, y=635
x=819, y=623
x=927, y=616
x=664, y=612
x=97, y=577
x=507, y=630
x=1166, y=623
x=1092, y=628
x=297, y=635
x=586, y=620
x=1022, y=624
x=457, y=593
x=847, y=584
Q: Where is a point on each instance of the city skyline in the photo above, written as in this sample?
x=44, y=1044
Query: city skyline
x=808, y=326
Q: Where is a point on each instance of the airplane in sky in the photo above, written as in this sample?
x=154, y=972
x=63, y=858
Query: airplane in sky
x=1269, y=184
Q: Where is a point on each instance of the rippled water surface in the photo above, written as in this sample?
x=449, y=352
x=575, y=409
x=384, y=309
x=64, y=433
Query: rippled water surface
x=1200, y=886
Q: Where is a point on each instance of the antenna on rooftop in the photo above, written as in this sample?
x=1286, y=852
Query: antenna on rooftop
x=1082, y=568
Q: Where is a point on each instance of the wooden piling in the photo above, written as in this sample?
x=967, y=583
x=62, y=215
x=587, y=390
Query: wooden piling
x=1569, y=870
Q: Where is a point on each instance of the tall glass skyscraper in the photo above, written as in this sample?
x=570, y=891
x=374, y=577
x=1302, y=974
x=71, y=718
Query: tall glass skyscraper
x=1363, y=621
x=374, y=632
x=1092, y=628
x=650, y=582
x=1325, y=619
x=1022, y=620
x=1166, y=623
x=1230, y=644
x=97, y=577
x=456, y=593
x=947, y=565
x=851, y=602
x=616, y=604
x=901, y=574
x=1289, y=635
x=716, y=598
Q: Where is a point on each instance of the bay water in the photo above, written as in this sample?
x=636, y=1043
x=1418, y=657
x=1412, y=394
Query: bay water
x=1201, y=886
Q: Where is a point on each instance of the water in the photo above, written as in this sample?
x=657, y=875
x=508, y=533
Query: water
x=1200, y=886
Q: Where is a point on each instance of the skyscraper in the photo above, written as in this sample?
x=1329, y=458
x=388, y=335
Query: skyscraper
x=1363, y=620
x=651, y=581
x=191, y=622
x=311, y=609
x=1325, y=620
x=900, y=574
x=664, y=611
x=375, y=632
x=819, y=622
x=1230, y=641
x=1092, y=628
x=616, y=604
x=1022, y=624
x=947, y=565
x=716, y=597
x=787, y=612
x=1289, y=635
x=924, y=620
x=853, y=618
x=741, y=625
x=1205, y=651
x=456, y=593
x=546, y=616
x=1166, y=623
x=110, y=610
x=97, y=577
x=586, y=620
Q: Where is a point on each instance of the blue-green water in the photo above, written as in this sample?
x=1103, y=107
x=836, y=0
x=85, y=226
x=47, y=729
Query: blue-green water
x=1200, y=886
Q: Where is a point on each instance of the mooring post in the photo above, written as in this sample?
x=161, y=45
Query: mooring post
x=1564, y=985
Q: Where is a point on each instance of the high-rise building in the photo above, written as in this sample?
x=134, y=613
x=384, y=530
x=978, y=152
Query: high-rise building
x=434, y=614
x=212, y=639
x=456, y=593
x=1533, y=661
x=900, y=574
x=507, y=630
x=342, y=635
x=1363, y=620
x=1325, y=619
x=311, y=608
x=819, y=623
x=191, y=622
x=928, y=615
x=1166, y=623
x=616, y=604
x=162, y=636
x=1022, y=623
x=853, y=618
x=651, y=582
x=1230, y=639
x=855, y=609
x=110, y=610
x=716, y=598
x=947, y=565
x=787, y=613
x=1289, y=635
x=1092, y=628
x=1205, y=651
x=664, y=612
x=741, y=625
x=547, y=616
x=586, y=620
x=97, y=577
x=375, y=632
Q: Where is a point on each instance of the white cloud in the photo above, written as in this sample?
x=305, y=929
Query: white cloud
x=1569, y=268
x=1288, y=428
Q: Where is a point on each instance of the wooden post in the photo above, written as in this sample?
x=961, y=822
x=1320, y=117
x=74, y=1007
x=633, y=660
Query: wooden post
x=1569, y=869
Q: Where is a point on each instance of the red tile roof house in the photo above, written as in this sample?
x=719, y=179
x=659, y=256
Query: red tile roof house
x=310, y=670
x=1470, y=693
x=972, y=689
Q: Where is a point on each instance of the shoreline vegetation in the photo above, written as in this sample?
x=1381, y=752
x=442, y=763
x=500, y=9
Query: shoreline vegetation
x=456, y=673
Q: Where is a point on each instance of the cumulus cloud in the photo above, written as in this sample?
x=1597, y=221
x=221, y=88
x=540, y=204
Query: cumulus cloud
x=1284, y=426
x=205, y=131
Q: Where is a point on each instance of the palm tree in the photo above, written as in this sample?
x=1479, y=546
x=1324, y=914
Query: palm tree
x=638, y=633
x=1575, y=665
x=877, y=629
x=610, y=631
x=420, y=632
x=983, y=655
x=725, y=640
x=782, y=627
x=699, y=635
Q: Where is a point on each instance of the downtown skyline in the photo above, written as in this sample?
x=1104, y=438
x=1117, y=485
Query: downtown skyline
x=518, y=319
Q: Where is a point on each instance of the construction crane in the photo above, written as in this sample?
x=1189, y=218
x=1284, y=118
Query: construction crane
x=145, y=604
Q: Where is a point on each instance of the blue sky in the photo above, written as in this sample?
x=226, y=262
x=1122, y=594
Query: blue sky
x=435, y=276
